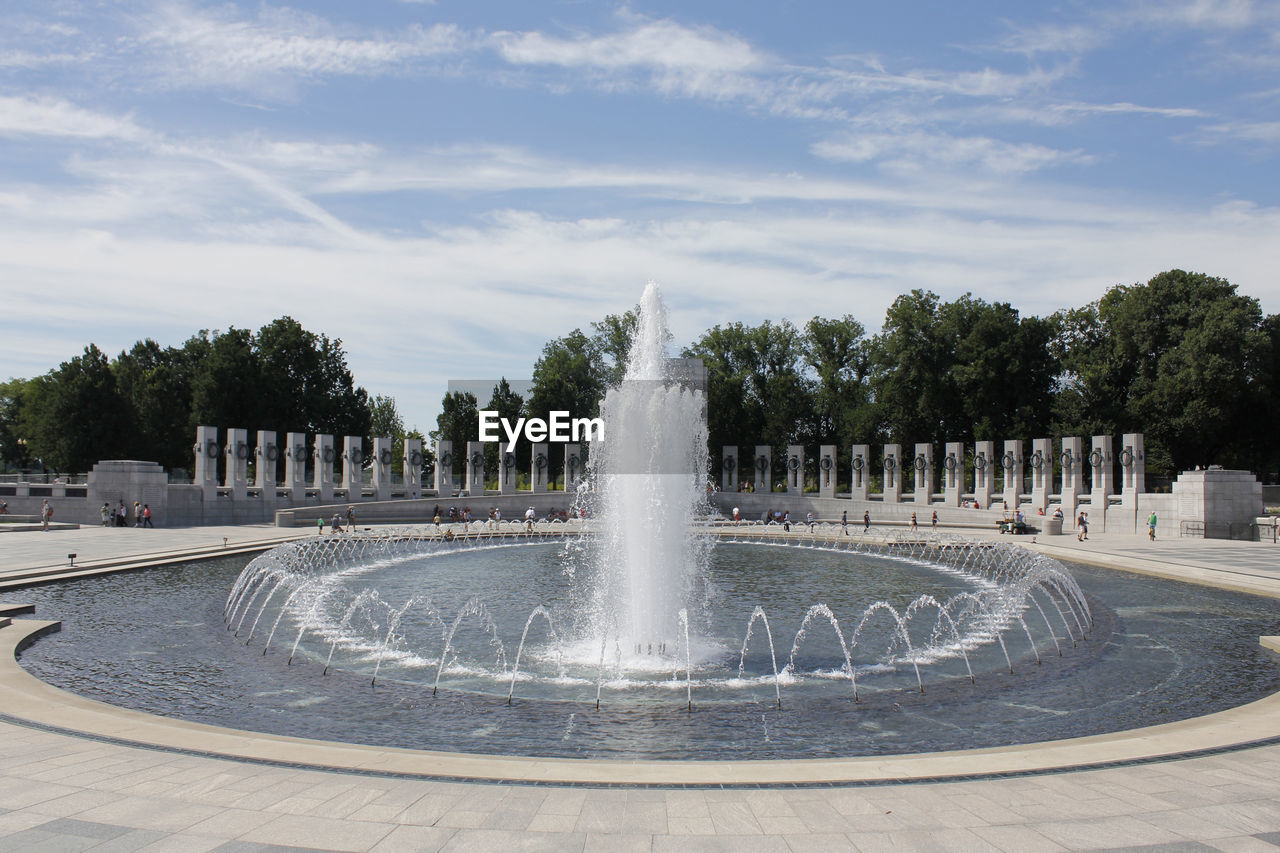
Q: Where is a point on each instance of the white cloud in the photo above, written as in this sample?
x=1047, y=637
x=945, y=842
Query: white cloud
x=662, y=45
x=47, y=116
x=916, y=147
x=222, y=50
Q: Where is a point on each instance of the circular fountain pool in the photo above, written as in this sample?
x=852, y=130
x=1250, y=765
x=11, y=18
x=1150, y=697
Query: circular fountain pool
x=158, y=641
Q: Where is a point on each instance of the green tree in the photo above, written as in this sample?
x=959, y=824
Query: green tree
x=1184, y=359
x=612, y=343
x=157, y=384
x=385, y=422
x=458, y=422
x=508, y=404
x=910, y=364
x=75, y=415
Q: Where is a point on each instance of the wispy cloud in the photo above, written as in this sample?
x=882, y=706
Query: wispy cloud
x=277, y=48
x=49, y=116
x=915, y=147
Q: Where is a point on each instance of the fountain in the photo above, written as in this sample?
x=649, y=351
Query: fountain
x=650, y=629
x=641, y=620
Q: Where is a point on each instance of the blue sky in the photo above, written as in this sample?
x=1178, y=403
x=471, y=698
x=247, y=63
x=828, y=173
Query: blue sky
x=445, y=186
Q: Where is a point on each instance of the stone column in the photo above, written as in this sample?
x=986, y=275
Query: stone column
x=892, y=474
x=1073, y=463
x=473, y=474
x=827, y=471
x=795, y=469
x=206, y=464
x=984, y=472
x=1041, y=473
x=506, y=471
x=264, y=471
x=860, y=458
x=1012, y=464
x=729, y=468
x=1133, y=468
x=236, y=477
x=539, y=467
x=572, y=470
x=764, y=468
x=953, y=474
x=1101, y=478
x=353, y=467
x=922, y=464
x=381, y=479
x=413, y=468
x=322, y=479
x=444, y=469
x=295, y=466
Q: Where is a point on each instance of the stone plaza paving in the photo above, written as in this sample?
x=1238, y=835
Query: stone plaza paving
x=63, y=791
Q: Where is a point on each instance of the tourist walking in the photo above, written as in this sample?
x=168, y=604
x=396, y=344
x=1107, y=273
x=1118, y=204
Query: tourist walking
x=146, y=516
x=351, y=517
x=935, y=519
x=137, y=514
x=844, y=522
x=809, y=520
x=122, y=515
x=319, y=525
x=529, y=515
x=866, y=521
x=46, y=513
x=1082, y=527
x=736, y=516
x=913, y=522
x=1151, y=526
x=105, y=512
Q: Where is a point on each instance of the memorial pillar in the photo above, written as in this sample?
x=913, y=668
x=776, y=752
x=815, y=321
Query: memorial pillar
x=827, y=471
x=1073, y=463
x=264, y=471
x=1041, y=473
x=795, y=469
x=859, y=456
x=728, y=468
x=237, y=473
x=1101, y=477
x=892, y=491
x=540, y=467
x=206, y=462
x=474, y=475
x=322, y=478
x=764, y=468
x=506, y=472
x=381, y=478
x=295, y=466
x=922, y=463
x=984, y=472
x=1012, y=464
x=444, y=469
x=953, y=473
x=572, y=471
x=413, y=468
x=1133, y=469
x=353, y=467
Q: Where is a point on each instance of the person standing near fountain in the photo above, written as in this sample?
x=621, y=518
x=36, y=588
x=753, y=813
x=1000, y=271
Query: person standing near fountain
x=914, y=526
x=1151, y=526
x=844, y=522
x=866, y=521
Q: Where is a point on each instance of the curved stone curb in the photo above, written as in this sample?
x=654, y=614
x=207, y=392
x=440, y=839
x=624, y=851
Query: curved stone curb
x=26, y=700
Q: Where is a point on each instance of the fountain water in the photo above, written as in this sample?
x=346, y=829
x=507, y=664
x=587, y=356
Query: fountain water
x=650, y=473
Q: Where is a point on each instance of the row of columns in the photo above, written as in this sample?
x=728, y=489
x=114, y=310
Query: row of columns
x=297, y=451
x=474, y=473
x=993, y=475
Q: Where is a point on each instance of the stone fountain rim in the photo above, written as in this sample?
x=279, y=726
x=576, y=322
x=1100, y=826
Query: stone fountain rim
x=28, y=701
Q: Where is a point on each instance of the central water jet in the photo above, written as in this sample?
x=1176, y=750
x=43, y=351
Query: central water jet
x=650, y=475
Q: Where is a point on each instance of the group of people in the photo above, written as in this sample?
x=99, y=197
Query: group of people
x=336, y=523
x=117, y=516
